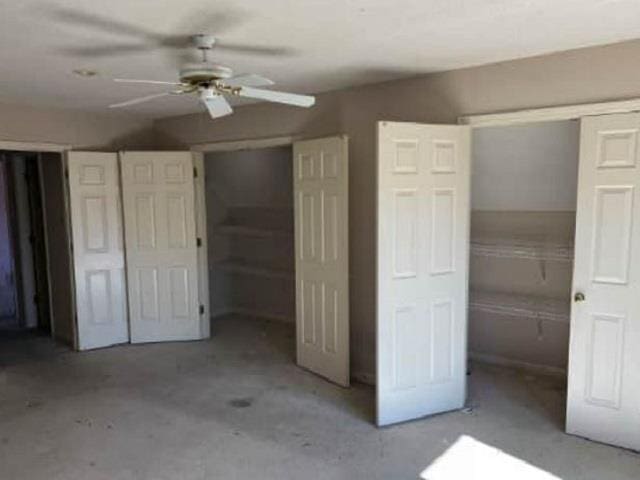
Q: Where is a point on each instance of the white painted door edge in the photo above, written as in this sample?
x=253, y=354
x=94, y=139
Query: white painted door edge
x=35, y=147
x=249, y=144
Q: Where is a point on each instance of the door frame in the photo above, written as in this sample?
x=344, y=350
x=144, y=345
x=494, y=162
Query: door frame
x=35, y=147
x=549, y=114
x=247, y=144
x=201, y=149
x=40, y=148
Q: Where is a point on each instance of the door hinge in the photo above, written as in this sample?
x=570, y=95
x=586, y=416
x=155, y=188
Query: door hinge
x=66, y=173
x=198, y=242
x=195, y=172
x=201, y=309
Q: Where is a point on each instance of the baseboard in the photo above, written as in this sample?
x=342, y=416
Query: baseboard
x=221, y=312
x=518, y=364
x=364, y=377
x=252, y=313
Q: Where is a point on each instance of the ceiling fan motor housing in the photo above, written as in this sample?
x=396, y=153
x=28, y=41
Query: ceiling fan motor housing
x=198, y=73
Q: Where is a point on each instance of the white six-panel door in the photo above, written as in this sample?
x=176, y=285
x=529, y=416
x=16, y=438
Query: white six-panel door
x=160, y=238
x=604, y=356
x=422, y=265
x=98, y=254
x=321, y=208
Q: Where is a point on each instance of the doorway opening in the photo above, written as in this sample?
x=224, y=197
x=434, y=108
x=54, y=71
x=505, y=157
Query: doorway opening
x=523, y=215
x=24, y=284
x=36, y=279
x=250, y=232
x=278, y=220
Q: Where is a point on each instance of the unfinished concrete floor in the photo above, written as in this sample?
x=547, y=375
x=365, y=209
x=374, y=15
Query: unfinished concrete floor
x=236, y=407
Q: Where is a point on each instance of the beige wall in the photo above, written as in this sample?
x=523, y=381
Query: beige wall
x=587, y=75
x=79, y=129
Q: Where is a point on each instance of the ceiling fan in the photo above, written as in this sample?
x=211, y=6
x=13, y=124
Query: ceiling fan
x=212, y=82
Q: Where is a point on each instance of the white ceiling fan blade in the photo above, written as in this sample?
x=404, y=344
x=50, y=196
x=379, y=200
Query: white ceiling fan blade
x=248, y=80
x=150, y=82
x=216, y=104
x=279, y=97
x=139, y=100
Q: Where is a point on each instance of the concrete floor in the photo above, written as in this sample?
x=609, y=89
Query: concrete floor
x=236, y=407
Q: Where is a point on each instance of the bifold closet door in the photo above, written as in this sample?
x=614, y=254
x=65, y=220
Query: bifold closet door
x=98, y=254
x=160, y=239
x=603, y=400
x=321, y=209
x=422, y=269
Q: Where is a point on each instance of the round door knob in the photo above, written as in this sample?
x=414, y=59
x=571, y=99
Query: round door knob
x=579, y=297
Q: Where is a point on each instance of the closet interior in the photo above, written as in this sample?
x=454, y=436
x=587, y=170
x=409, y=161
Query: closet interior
x=249, y=195
x=524, y=190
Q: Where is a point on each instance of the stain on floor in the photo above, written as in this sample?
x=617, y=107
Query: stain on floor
x=241, y=402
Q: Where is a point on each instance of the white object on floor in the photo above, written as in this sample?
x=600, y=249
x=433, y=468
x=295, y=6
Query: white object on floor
x=423, y=263
x=321, y=212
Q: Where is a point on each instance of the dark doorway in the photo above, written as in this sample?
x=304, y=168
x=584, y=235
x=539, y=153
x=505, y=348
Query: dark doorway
x=24, y=286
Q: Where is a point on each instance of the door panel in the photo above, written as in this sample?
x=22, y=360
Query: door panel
x=322, y=256
x=160, y=235
x=604, y=381
x=98, y=255
x=423, y=226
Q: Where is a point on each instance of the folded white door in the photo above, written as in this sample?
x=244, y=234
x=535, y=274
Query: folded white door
x=98, y=254
x=604, y=355
x=160, y=239
x=321, y=208
x=422, y=265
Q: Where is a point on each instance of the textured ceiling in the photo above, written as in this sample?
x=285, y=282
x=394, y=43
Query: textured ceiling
x=309, y=45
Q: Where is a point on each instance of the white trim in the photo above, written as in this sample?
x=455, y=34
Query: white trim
x=517, y=364
x=249, y=144
x=549, y=114
x=203, y=249
x=33, y=146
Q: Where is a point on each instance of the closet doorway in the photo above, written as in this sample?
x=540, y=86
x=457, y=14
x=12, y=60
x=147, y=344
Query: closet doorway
x=538, y=299
x=554, y=262
x=249, y=196
x=34, y=290
x=523, y=210
x=277, y=234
